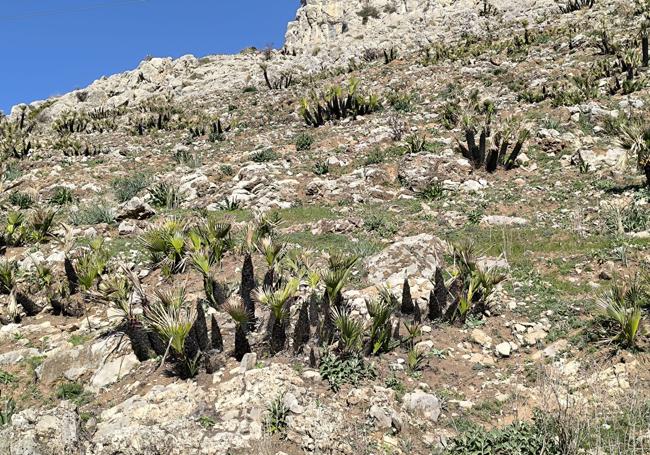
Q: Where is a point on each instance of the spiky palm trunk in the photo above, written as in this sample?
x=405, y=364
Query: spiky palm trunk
x=644, y=49
x=71, y=275
x=139, y=340
x=313, y=311
x=217, y=340
x=301, y=331
x=157, y=343
x=278, y=336
x=269, y=279
x=438, y=297
x=407, y=300
x=326, y=330
x=242, y=346
x=455, y=290
x=30, y=307
x=417, y=313
x=247, y=286
x=192, y=349
x=200, y=328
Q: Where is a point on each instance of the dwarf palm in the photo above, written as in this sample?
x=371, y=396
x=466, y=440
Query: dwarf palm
x=350, y=331
x=635, y=138
x=273, y=253
x=8, y=271
x=118, y=290
x=277, y=302
x=166, y=245
x=239, y=313
x=380, y=311
x=172, y=317
x=621, y=307
x=41, y=224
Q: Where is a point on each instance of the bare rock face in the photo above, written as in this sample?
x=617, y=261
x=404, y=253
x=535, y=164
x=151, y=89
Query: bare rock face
x=417, y=256
x=51, y=432
x=336, y=30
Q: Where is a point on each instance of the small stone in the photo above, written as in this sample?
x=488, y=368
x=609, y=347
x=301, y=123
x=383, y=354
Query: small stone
x=423, y=403
x=248, y=362
x=503, y=349
x=481, y=338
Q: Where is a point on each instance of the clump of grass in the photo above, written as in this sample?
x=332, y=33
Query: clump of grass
x=321, y=168
x=72, y=391
x=376, y=156
x=276, y=416
x=166, y=195
x=126, y=188
x=62, y=196
x=93, y=214
x=21, y=200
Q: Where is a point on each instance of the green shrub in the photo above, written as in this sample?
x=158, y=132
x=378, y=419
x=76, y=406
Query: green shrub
x=227, y=170
x=368, y=12
x=264, y=156
x=304, y=141
x=518, y=438
x=344, y=370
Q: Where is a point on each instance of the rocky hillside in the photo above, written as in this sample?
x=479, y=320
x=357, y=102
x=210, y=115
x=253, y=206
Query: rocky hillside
x=419, y=227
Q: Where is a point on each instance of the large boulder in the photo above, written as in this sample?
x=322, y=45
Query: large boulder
x=417, y=256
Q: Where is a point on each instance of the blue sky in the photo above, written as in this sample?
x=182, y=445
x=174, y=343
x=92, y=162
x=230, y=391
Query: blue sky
x=51, y=47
